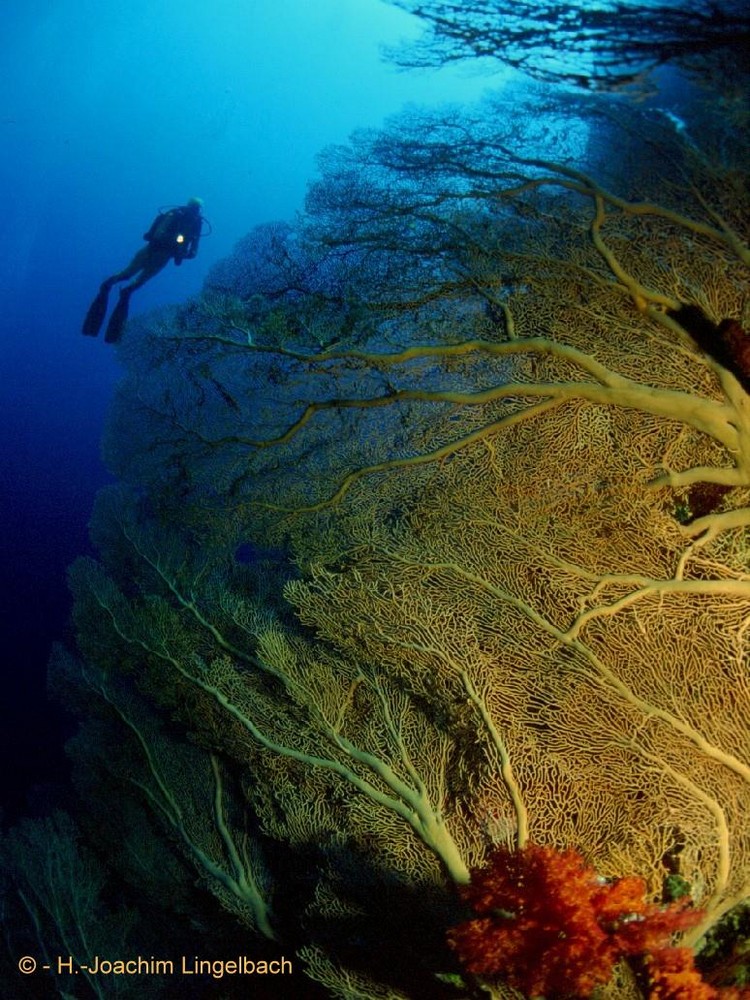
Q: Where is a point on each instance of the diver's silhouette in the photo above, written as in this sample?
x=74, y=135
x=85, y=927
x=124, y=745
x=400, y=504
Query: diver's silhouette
x=174, y=235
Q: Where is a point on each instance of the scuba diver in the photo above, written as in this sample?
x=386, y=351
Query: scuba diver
x=174, y=235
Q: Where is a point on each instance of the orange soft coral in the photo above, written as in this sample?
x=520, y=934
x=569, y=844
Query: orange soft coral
x=548, y=925
x=673, y=976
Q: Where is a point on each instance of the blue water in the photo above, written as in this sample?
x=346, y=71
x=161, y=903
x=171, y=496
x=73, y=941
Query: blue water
x=108, y=112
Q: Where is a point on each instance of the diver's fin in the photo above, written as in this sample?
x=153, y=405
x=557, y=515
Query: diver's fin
x=97, y=310
x=118, y=319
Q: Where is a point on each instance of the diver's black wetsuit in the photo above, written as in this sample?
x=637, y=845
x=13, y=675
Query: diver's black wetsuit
x=173, y=235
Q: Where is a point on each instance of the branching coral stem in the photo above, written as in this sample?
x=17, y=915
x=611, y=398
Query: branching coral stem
x=580, y=182
x=506, y=766
x=411, y=804
x=601, y=673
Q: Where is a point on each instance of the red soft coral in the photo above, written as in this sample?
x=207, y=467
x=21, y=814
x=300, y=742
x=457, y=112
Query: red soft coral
x=673, y=976
x=548, y=925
